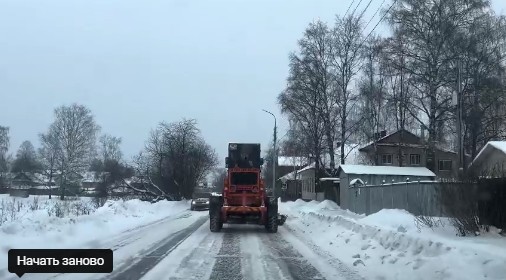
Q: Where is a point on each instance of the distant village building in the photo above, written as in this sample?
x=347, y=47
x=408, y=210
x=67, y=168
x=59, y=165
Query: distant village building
x=403, y=148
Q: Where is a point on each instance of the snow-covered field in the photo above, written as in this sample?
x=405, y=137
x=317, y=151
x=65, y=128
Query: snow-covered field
x=319, y=241
x=32, y=223
x=389, y=245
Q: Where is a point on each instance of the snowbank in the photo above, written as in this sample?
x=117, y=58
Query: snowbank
x=389, y=244
x=40, y=228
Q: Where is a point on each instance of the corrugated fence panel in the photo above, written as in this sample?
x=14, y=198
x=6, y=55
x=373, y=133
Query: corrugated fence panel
x=419, y=198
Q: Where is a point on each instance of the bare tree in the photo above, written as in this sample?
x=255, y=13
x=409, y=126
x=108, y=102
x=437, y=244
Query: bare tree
x=4, y=148
x=110, y=148
x=219, y=176
x=296, y=143
x=26, y=159
x=49, y=155
x=346, y=61
x=372, y=90
x=144, y=170
x=483, y=51
x=309, y=98
x=76, y=132
x=179, y=158
x=430, y=30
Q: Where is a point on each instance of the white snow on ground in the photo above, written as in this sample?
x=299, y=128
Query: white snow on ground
x=193, y=259
x=385, y=245
x=389, y=245
x=37, y=229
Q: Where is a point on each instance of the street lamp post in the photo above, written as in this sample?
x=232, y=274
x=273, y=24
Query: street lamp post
x=274, y=155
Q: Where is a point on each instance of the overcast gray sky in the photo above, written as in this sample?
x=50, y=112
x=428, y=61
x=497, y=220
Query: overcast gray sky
x=136, y=63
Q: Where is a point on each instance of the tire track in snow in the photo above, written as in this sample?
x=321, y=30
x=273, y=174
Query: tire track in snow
x=250, y=253
x=131, y=235
x=142, y=265
x=258, y=262
x=199, y=262
x=343, y=271
x=289, y=260
x=122, y=239
x=228, y=260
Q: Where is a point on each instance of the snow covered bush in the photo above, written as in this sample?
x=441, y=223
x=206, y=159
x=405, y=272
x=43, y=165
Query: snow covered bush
x=14, y=209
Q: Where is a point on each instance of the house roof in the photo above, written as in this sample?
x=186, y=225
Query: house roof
x=352, y=156
x=493, y=150
x=386, y=170
x=22, y=176
x=351, y=153
x=292, y=175
x=91, y=177
x=382, y=138
x=420, y=145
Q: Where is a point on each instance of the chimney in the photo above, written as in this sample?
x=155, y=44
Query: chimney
x=383, y=133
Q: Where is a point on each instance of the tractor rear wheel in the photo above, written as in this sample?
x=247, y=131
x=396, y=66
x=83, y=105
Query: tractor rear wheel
x=215, y=224
x=271, y=225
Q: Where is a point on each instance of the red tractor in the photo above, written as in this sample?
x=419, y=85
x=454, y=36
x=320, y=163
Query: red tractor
x=244, y=198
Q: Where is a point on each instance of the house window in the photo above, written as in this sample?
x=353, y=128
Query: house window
x=445, y=165
x=386, y=159
x=414, y=159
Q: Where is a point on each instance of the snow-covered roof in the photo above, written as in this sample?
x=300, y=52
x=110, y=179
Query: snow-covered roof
x=357, y=181
x=387, y=170
x=499, y=145
x=310, y=166
x=291, y=161
x=292, y=175
x=379, y=139
x=337, y=179
x=351, y=153
x=438, y=146
x=90, y=177
x=289, y=176
x=490, y=152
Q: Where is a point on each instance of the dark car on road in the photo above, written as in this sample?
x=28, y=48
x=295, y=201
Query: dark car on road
x=200, y=201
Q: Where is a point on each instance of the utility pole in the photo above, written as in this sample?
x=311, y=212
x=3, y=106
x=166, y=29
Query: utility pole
x=459, y=120
x=274, y=155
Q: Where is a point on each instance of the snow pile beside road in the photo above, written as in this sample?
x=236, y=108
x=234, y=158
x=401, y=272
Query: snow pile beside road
x=389, y=245
x=38, y=229
x=326, y=208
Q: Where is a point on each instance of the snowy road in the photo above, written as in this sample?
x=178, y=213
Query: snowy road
x=182, y=247
x=238, y=252
x=247, y=253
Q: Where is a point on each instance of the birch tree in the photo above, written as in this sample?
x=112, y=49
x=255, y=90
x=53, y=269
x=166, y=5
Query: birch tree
x=346, y=60
x=76, y=132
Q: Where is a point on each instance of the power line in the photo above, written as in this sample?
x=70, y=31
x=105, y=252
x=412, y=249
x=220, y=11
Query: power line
x=374, y=15
x=356, y=7
x=349, y=8
x=382, y=18
x=365, y=9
